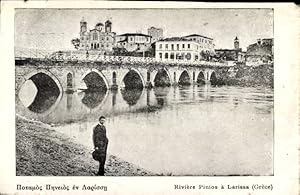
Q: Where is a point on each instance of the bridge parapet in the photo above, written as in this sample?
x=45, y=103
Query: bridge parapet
x=81, y=56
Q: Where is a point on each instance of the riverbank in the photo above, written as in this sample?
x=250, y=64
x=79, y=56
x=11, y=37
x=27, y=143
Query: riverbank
x=42, y=151
x=248, y=76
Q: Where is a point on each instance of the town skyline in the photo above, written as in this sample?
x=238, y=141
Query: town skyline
x=53, y=29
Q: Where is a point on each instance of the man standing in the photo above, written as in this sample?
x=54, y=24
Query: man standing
x=100, y=144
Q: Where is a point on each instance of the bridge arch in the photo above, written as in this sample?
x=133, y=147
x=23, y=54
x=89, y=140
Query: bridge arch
x=52, y=88
x=213, y=77
x=167, y=73
x=200, y=79
x=43, y=71
x=97, y=72
x=184, y=77
x=131, y=70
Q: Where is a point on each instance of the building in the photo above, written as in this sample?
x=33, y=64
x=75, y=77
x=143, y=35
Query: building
x=178, y=49
x=155, y=33
x=206, y=43
x=261, y=52
x=236, y=54
x=100, y=39
x=133, y=42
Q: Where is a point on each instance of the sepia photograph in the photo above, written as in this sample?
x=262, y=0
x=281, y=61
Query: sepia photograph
x=144, y=91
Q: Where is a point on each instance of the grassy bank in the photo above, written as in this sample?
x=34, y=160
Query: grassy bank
x=248, y=76
x=42, y=151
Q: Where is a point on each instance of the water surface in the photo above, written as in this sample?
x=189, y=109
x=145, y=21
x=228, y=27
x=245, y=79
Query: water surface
x=194, y=130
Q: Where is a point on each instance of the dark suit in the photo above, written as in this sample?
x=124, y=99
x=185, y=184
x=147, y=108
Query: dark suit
x=101, y=141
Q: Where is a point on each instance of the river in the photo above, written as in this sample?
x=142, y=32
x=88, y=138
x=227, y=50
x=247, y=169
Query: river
x=191, y=130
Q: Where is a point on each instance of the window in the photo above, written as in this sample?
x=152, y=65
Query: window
x=148, y=76
x=107, y=38
x=107, y=45
x=172, y=46
x=114, y=78
x=166, y=46
x=131, y=39
x=102, y=45
x=160, y=55
x=189, y=46
x=166, y=55
x=177, y=46
x=160, y=46
x=69, y=80
x=182, y=46
x=172, y=56
x=95, y=36
x=174, y=76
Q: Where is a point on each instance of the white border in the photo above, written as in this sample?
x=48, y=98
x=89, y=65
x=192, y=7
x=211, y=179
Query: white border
x=286, y=162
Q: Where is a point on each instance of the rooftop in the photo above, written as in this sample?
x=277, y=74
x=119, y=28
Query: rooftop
x=175, y=39
x=134, y=34
x=196, y=35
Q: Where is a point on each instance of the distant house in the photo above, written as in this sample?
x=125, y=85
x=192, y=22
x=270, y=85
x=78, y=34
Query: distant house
x=133, y=41
x=260, y=52
x=236, y=54
x=155, y=33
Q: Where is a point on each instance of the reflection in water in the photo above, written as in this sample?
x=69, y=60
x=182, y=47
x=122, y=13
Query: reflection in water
x=161, y=95
x=114, y=96
x=43, y=102
x=69, y=100
x=131, y=96
x=203, y=124
x=92, y=99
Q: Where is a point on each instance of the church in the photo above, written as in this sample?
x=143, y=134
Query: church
x=100, y=39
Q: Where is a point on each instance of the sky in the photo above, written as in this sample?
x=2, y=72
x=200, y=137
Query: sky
x=53, y=29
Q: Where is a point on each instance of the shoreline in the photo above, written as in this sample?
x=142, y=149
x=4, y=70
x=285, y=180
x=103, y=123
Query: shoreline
x=42, y=151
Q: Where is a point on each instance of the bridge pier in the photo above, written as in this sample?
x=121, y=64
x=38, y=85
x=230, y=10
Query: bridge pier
x=148, y=85
x=114, y=87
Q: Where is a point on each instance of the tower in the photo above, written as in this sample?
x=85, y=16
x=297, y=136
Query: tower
x=236, y=43
x=83, y=26
x=108, y=26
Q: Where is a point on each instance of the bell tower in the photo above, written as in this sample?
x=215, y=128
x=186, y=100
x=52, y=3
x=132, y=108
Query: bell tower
x=108, y=26
x=83, y=26
x=236, y=43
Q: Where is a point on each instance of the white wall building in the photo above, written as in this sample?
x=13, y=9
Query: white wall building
x=178, y=49
x=134, y=41
x=206, y=43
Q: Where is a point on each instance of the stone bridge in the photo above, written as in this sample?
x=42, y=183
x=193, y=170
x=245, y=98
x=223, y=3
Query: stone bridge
x=70, y=75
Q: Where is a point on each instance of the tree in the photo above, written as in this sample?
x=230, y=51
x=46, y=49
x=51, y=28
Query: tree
x=76, y=43
x=119, y=51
